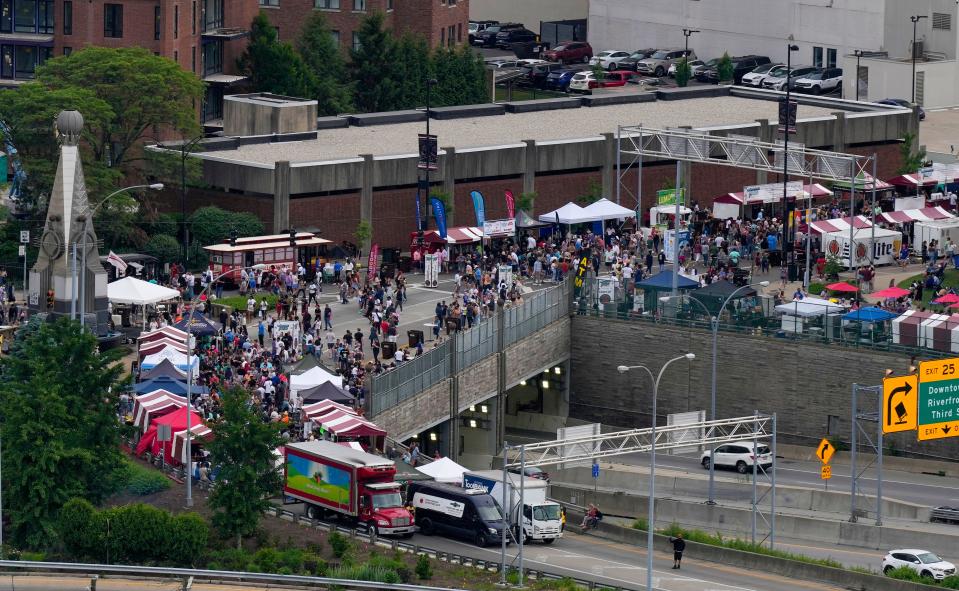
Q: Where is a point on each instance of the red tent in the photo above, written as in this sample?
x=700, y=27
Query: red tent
x=177, y=421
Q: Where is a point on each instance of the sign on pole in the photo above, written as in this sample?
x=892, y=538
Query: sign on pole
x=595, y=470
x=938, y=399
x=23, y=250
x=24, y=236
x=824, y=451
x=826, y=472
x=900, y=403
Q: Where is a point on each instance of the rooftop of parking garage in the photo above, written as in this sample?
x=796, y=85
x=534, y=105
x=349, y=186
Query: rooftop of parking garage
x=512, y=128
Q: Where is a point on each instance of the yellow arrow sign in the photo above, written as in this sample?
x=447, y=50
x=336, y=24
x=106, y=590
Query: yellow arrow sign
x=900, y=403
x=824, y=451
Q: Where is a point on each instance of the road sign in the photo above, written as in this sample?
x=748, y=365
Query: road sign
x=824, y=451
x=595, y=470
x=24, y=236
x=826, y=472
x=938, y=415
x=23, y=251
x=900, y=403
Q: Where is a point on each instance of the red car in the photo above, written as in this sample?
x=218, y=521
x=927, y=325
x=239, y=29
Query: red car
x=616, y=78
x=570, y=52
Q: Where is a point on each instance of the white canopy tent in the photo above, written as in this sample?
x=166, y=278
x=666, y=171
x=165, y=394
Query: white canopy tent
x=177, y=358
x=604, y=209
x=810, y=307
x=131, y=290
x=313, y=378
x=567, y=214
x=444, y=470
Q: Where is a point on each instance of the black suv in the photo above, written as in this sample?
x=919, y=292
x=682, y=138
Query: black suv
x=487, y=37
x=741, y=66
x=506, y=38
x=634, y=58
x=477, y=27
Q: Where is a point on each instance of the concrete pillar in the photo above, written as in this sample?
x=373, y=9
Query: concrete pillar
x=839, y=132
x=454, y=425
x=767, y=133
x=529, y=168
x=366, y=198
x=281, y=196
x=449, y=181
x=609, y=166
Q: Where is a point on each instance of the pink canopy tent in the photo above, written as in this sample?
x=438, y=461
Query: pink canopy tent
x=347, y=424
x=322, y=408
x=890, y=292
x=147, y=407
x=924, y=214
x=151, y=347
x=177, y=422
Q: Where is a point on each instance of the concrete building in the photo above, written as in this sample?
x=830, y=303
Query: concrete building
x=203, y=36
x=828, y=33
x=439, y=22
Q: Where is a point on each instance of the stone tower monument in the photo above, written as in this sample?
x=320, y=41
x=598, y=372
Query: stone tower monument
x=59, y=273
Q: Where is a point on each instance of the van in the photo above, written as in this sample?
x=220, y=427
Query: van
x=456, y=512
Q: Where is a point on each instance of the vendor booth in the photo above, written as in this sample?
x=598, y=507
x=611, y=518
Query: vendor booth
x=151, y=347
x=313, y=378
x=201, y=435
x=716, y=293
x=731, y=205
x=322, y=408
x=650, y=289
x=813, y=315
x=177, y=421
x=869, y=324
x=604, y=210
x=566, y=215
x=444, y=470
x=177, y=358
x=175, y=385
x=326, y=391
x=942, y=230
x=905, y=328
x=199, y=325
x=165, y=369
x=877, y=246
x=166, y=332
x=147, y=407
x=131, y=290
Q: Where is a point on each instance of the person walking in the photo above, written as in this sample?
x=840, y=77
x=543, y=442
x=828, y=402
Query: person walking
x=679, y=545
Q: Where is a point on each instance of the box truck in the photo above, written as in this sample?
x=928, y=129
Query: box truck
x=541, y=518
x=336, y=480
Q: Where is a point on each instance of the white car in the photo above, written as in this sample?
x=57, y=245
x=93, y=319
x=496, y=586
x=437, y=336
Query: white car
x=694, y=66
x=925, y=563
x=609, y=59
x=756, y=77
x=740, y=456
x=826, y=80
x=583, y=82
x=780, y=79
x=530, y=62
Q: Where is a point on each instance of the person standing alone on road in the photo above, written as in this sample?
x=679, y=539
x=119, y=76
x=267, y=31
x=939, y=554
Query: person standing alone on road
x=679, y=545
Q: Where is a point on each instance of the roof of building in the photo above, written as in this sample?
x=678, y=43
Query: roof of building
x=512, y=128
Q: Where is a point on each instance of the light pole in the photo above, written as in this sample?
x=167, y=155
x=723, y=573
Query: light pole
x=915, y=22
x=185, y=149
x=651, y=517
x=687, y=33
x=858, y=53
x=714, y=323
x=429, y=162
x=189, y=373
x=787, y=210
x=83, y=264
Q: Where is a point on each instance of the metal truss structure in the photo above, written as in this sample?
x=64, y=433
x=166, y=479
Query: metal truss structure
x=866, y=417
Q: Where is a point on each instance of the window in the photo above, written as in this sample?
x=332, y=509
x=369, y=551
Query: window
x=817, y=56
x=459, y=32
x=442, y=36
x=26, y=58
x=336, y=37
x=193, y=58
x=68, y=17
x=212, y=58
x=830, y=58
x=193, y=17
x=941, y=21
x=269, y=2
x=359, y=4
x=389, y=4
x=213, y=15
x=113, y=20
x=176, y=21
x=156, y=23
x=67, y=50
x=327, y=4
x=176, y=56
x=6, y=22
x=356, y=41
x=27, y=16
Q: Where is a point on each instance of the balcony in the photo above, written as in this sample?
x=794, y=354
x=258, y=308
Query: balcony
x=226, y=33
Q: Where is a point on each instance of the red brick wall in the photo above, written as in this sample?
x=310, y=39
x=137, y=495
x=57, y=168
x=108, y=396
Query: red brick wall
x=336, y=216
x=168, y=201
x=556, y=190
x=432, y=20
x=493, y=198
x=394, y=217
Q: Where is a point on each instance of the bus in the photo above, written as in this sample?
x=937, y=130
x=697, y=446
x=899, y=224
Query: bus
x=274, y=250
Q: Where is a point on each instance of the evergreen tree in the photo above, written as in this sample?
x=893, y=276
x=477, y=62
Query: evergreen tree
x=411, y=69
x=475, y=75
x=60, y=433
x=376, y=88
x=448, y=88
x=243, y=447
x=273, y=66
x=323, y=59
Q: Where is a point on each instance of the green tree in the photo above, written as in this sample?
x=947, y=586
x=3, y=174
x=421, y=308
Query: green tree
x=60, y=434
x=410, y=70
x=243, y=446
x=371, y=64
x=273, y=66
x=144, y=91
x=912, y=157
x=593, y=193
x=210, y=224
x=322, y=57
x=683, y=73
x=525, y=201
x=163, y=246
x=725, y=68
x=363, y=232
x=29, y=113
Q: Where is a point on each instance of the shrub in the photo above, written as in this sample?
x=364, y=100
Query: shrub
x=340, y=545
x=366, y=572
x=641, y=524
x=424, y=569
x=189, y=536
x=77, y=529
x=683, y=73
x=947, y=583
x=725, y=67
x=904, y=573
x=140, y=480
x=816, y=288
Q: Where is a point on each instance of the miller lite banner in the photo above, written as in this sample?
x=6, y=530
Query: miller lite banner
x=884, y=248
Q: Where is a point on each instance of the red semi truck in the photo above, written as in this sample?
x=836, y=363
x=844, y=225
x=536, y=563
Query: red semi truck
x=334, y=479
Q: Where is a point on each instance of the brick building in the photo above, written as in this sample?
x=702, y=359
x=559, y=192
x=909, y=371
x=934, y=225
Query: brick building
x=203, y=36
x=440, y=22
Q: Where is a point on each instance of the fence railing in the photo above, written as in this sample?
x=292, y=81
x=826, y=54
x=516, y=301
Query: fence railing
x=390, y=388
x=476, y=344
x=547, y=307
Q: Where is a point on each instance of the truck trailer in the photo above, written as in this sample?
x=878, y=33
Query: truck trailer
x=542, y=519
x=336, y=480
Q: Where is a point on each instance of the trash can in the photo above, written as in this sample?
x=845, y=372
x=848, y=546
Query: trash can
x=415, y=337
x=389, y=350
x=406, y=263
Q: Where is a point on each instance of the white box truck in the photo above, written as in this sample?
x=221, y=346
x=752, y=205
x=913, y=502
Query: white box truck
x=541, y=518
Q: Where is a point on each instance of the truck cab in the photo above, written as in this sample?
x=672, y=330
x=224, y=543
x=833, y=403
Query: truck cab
x=382, y=509
x=541, y=518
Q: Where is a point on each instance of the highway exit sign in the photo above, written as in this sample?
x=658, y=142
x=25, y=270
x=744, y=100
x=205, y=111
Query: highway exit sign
x=938, y=399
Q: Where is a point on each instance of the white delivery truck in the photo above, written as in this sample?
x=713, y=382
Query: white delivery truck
x=541, y=518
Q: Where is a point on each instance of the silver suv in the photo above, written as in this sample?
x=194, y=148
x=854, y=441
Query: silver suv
x=658, y=63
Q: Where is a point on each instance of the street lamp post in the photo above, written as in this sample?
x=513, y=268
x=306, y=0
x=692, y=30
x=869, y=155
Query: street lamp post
x=714, y=323
x=421, y=222
x=651, y=517
x=185, y=149
x=858, y=53
x=191, y=340
x=915, y=22
x=687, y=33
x=787, y=234
x=83, y=263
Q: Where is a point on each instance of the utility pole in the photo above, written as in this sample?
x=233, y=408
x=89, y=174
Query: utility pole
x=915, y=21
x=787, y=244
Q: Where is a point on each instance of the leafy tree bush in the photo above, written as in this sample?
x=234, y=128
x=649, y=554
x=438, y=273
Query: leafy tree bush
x=424, y=569
x=142, y=481
x=323, y=59
x=164, y=247
x=375, y=88
x=273, y=66
x=211, y=224
x=340, y=544
x=683, y=73
x=725, y=68
x=912, y=156
x=524, y=202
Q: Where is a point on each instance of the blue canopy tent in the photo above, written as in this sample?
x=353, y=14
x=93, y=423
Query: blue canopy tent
x=870, y=314
x=662, y=282
x=201, y=326
x=169, y=384
x=872, y=323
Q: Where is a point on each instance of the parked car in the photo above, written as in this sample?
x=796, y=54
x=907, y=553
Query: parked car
x=504, y=39
x=530, y=62
x=502, y=63
x=702, y=74
x=694, y=66
x=780, y=81
x=609, y=59
x=560, y=79
x=658, y=63
x=902, y=103
x=586, y=81
x=583, y=82
x=740, y=456
x=760, y=73
x=532, y=472
x=634, y=58
x=538, y=73
x=742, y=66
x=487, y=37
x=925, y=563
x=476, y=27
x=570, y=51
x=825, y=80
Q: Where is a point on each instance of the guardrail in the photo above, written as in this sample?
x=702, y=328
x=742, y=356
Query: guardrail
x=944, y=515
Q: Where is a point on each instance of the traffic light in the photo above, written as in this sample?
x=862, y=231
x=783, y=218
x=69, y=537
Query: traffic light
x=50, y=299
x=292, y=236
x=233, y=237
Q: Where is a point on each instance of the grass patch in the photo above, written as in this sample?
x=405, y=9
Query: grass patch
x=239, y=302
x=140, y=480
x=641, y=524
x=950, y=279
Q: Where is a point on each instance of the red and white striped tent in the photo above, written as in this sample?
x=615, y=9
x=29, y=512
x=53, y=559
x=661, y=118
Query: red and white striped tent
x=151, y=347
x=459, y=235
x=347, y=424
x=323, y=407
x=839, y=225
x=200, y=433
x=147, y=407
x=167, y=332
x=816, y=190
x=924, y=214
